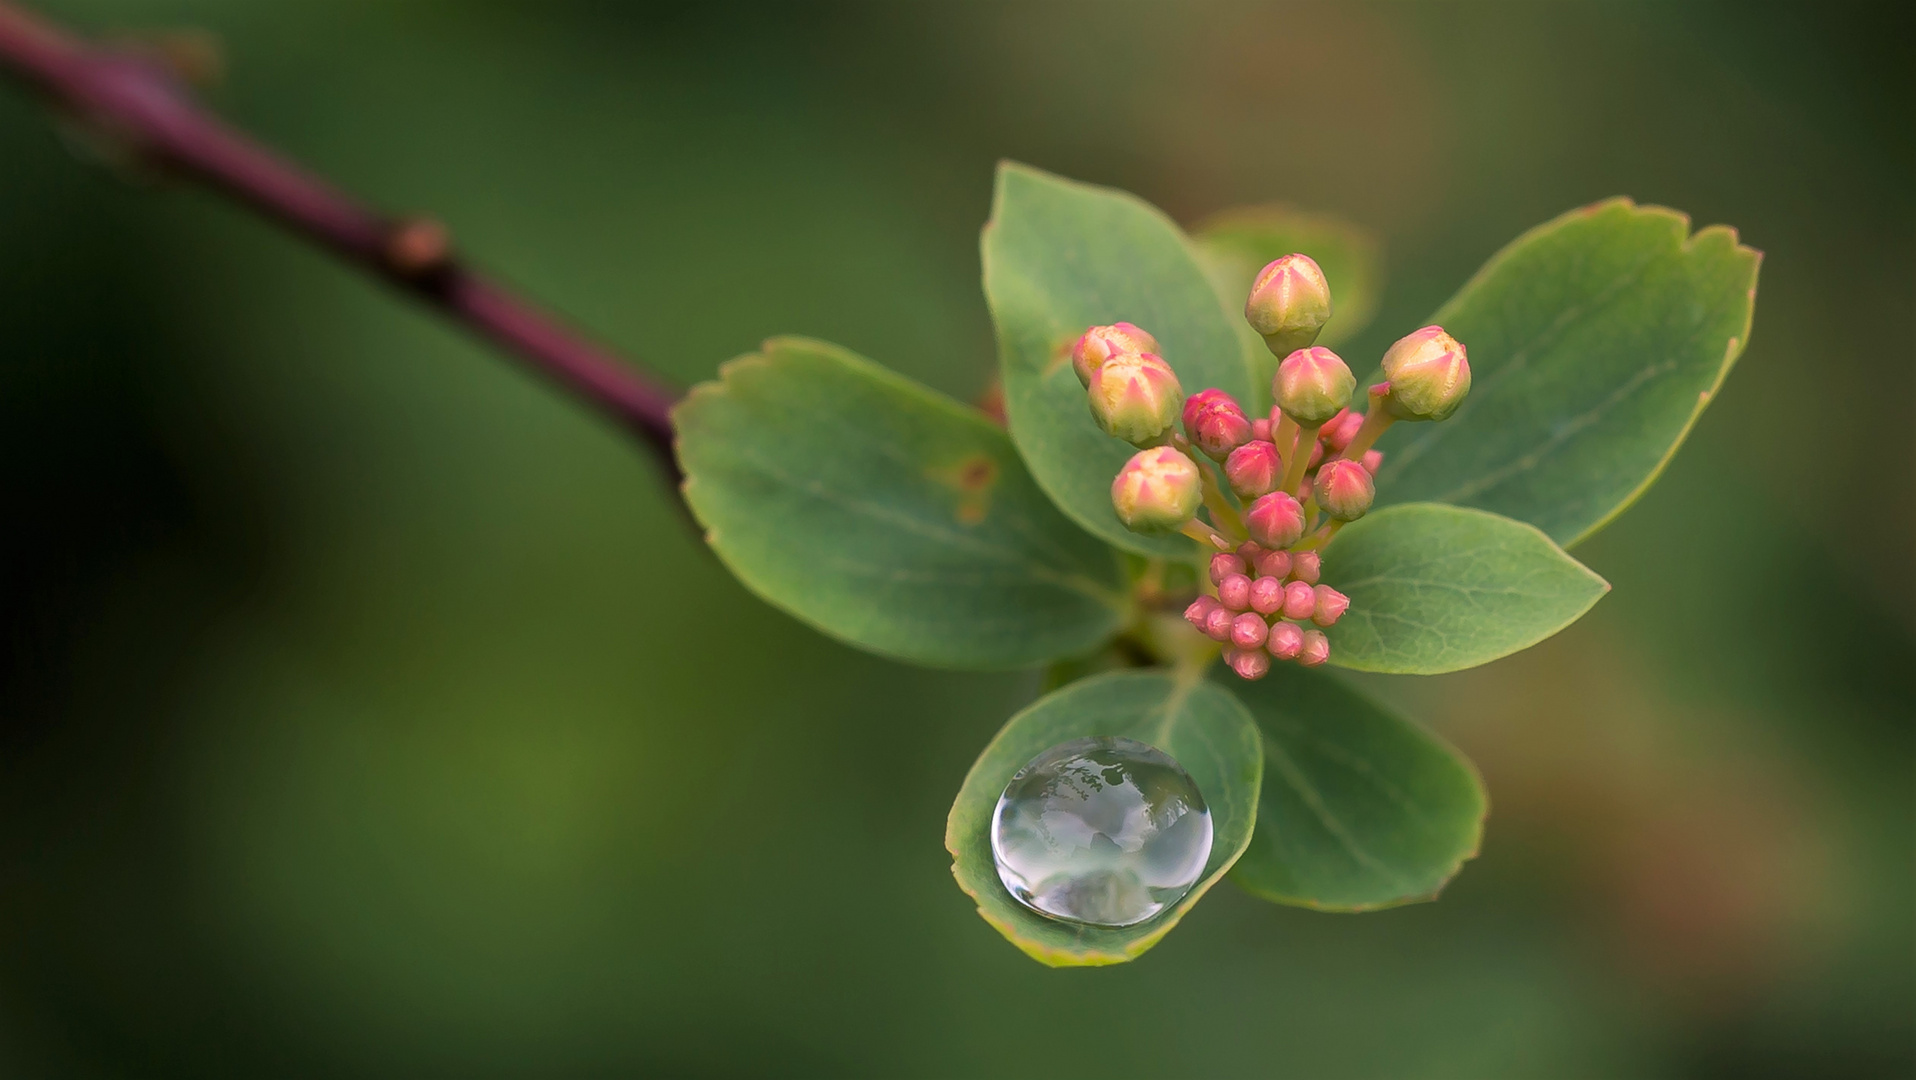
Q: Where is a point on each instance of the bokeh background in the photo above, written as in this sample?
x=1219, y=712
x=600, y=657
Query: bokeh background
x=367, y=708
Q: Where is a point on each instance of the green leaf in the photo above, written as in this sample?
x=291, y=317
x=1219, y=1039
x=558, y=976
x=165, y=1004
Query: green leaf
x=887, y=515
x=1196, y=722
x=1061, y=256
x=1437, y=588
x=1236, y=244
x=1361, y=809
x=1595, y=342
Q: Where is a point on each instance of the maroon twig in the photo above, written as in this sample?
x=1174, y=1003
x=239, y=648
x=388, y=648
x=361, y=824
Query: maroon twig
x=141, y=103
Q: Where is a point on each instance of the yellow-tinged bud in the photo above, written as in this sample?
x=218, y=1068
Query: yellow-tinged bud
x=1156, y=491
x=1429, y=375
x=1289, y=303
x=1101, y=343
x=1135, y=396
x=1312, y=386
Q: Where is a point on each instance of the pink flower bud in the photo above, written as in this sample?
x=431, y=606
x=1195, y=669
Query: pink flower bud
x=1224, y=564
x=1306, y=565
x=1317, y=456
x=1275, y=520
x=1199, y=611
x=1215, y=423
x=1339, y=430
x=1267, y=595
x=1250, y=664
x=1254, y=469
x=1331, y=605
x=1429, y=375
x=1300, y=600
x=1156, y=491
x=1234, y=592
x=1373, y=460
x=1249, y=552
x=1312, y=385
x=1217, y=625
x=1285, y=640
x=1344, y=490
x=1248, y=630
x=1261, y=429
x=1101, y=343
x=1135, y=397
x=1289, y=303
x=1276, y=564
x=1316, y=650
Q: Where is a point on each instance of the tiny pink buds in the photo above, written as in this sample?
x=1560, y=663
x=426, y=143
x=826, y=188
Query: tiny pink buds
x=1101, y=343
x=1300, y=600
x=1344, y=490
x=1312, y=385
x=1248, y=631
x=1275, y=520
x=1261, y=429
x=1267, y=595
x=1199, y=611
x=1373, y=460
x=1249, y=552
x=1217, y=624
x=1234, y=592
x=1316, y=650
x=1224, y=564
x=1254, y=469
x=1216, y=423
x=1248, y=663
x=1306, y=565
x=1156, y=491
x=1331, y=605
x=1135, y=397
x=1276, y=564
x=1429, y=375
x=1285, y=641
x=1289, y=303
x=1338, y=431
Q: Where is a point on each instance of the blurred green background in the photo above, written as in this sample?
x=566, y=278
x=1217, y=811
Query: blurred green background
x=367, y=708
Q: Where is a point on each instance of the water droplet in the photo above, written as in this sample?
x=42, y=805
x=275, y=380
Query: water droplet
x=1106, y=831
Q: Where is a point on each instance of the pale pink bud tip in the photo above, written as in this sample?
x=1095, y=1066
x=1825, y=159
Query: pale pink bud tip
x=1156, y=491
x=1224, y=564
x=1249, y=551
x=1261, y=429
x=1248, y=663
x=1285, y=640
x=1234, y=592
x=1289, y=303
x=1101, y=343
x=1300, y=600
x=1312, y=385
x=1306, y=565
x=1216, y=423
x=1267, y=595
x=1373, y=460
x=1248, y=630
x=1316, y=650
x=1275, y=564
x=1275, y=520
x=1344, y=490
x=1217, y=625
x=1199, y=611
x=1429, y=375
x=1339, y=430
x=1331, y=605
x=1135, y=397
x=1254, y=469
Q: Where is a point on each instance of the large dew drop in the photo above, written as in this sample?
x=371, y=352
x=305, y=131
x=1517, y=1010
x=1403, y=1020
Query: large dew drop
x=1106, y=831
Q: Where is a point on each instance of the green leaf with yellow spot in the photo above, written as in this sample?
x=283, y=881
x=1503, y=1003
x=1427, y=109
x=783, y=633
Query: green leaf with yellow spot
x=888, y=515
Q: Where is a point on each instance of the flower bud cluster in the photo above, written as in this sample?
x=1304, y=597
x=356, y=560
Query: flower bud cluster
x=1278, y=487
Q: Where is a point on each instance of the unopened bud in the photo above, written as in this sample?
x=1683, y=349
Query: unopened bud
x=1156, y=491
x=1135, y=397
x=1254, y=469
x=1261, y=429
x=1428, y=373
x=1249, y=551
x=1248, y=630
x=1331, y=605
x=1267, y=595
x=1306, y=565
x=1285, y=640
x=1316, y=650
x=1289, y=303
x=1275, y=564
x=1373, y=460
x=1216, y=423
x=1275, y=520
x=1338, y=431
x=1344, y=490
x=1224, y=564
x=1300, y=600
x=1250, y=664
x=1199, y=611
x=1101, y=343
x=1312, y=385
x=1217, y=624
x=1234, y=592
